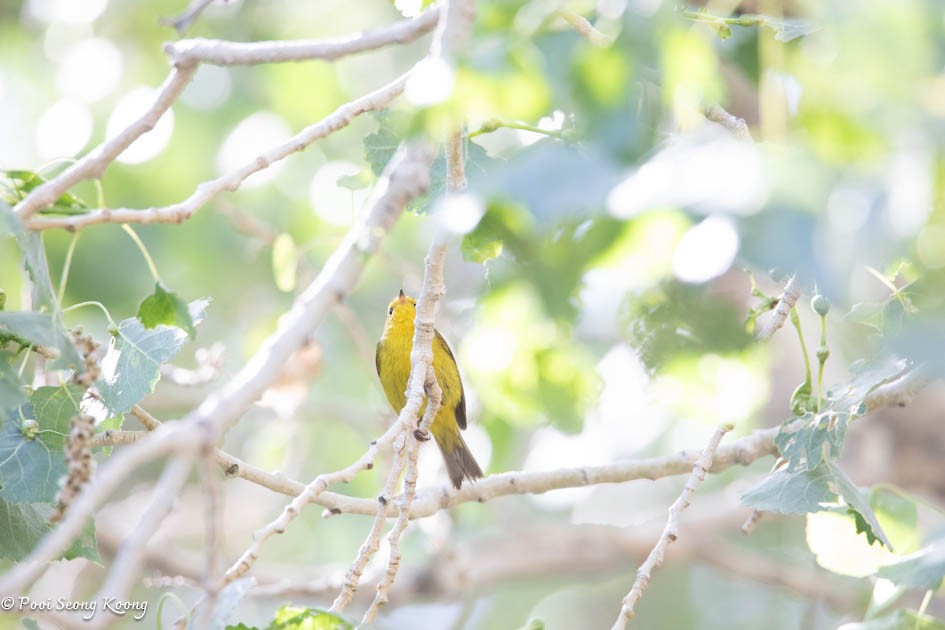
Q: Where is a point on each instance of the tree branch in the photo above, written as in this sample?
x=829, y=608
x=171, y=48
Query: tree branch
x=175, y=439
x=183, y=210
x=671, y=531
x=584, y=28
x=127, y=564
x=183, y=21
x=787, y=300
x=737, y=126
x=93, y=165
x=227, y=53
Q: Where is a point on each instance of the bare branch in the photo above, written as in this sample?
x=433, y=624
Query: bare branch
x=94, y=164
x=112, y=437
x=671, y=531
x=901, y=391
x=433, y=289
x=737, y=126
x=183, y=210
x=169, y=439
x=308, y=495
x=584, y=28
x=373, y=540
x=422, y=380
x=183, y=21
x=126, y=566
x=227, y=53
x=787, y=300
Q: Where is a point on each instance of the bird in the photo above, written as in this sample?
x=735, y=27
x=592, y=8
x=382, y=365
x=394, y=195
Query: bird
x=392, y=360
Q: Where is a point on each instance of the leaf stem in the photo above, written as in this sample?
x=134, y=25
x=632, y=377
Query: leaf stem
x=144, y=251
x=822, y=353
x=495, y=123
x=66, y=266
x=93, y=303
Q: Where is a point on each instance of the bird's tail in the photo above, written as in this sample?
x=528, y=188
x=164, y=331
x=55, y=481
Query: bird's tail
x=460, y=463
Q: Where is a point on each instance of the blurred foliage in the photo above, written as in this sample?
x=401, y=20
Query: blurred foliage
x=846, y=188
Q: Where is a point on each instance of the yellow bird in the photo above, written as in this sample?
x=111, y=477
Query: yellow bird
x=393, y=368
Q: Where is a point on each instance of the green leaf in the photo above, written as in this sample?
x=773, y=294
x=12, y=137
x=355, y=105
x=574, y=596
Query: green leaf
x=392, y=129
x=924, y=569
x=867, y=314
x=359, y=181
x=15, y=185
x=867, y=376
x=792, y=492
x=112, y=423
x=12, y=394
x=290, y=617
x=866, y=519
x=832, y=534
x=297, y=618
x=533, y=624
x=30, y=468
x=801, y=441
x=42, y=330
x=675, y=320
x=164, y=307
x=479, y=247
x=285, y=262
x=901, y=619
x=787, y=29
x=26, y=523
x=43, y=295
x=722, y=30
x=130, y=369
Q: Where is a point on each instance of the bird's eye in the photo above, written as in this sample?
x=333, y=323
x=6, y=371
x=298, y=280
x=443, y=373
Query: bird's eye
x=390, y=311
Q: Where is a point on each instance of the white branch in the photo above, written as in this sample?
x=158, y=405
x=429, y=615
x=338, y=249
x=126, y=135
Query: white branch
x=126, y=566
x=175, y=439
x=183, y=21
x=671, y=531
x=584, y=28
x=186, y=55
x=227, y=53
x=183, y=210
x=308, y=495
x=373, y=540
x=737, y=126
x=787, y=300
x=94, y=164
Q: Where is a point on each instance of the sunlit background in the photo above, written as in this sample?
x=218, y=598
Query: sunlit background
x=596, y=292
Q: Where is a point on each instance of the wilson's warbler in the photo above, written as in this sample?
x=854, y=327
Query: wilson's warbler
x=393, y=368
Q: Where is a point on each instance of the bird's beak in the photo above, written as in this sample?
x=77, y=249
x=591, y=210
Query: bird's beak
x=402, y=296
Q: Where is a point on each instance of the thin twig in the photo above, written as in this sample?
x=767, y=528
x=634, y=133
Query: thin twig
x=373, y=539
x=170, y=439
x=671, y=531
x=183, y=210
x=213, y=524
x=183, y=21
x=786, y=301
x=227, y=53
x=308, y=495
x=126, y=566
x=93, y=165
x=584, y=28
x=737, y=126
x=433, y=289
